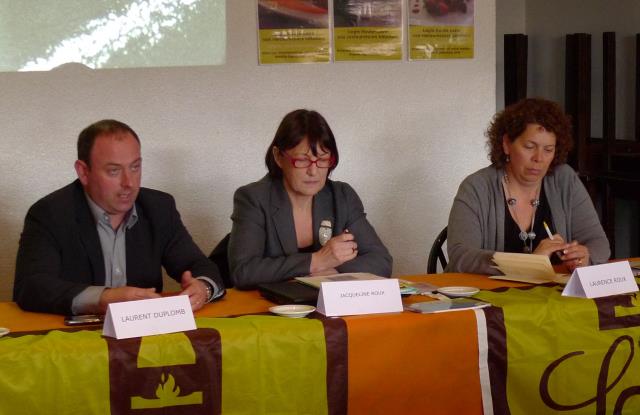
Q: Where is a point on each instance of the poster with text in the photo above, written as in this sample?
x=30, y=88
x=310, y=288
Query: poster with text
x=367, y=30
x=293, y=31
x=441, y=29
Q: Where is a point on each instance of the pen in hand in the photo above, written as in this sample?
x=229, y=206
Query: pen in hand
x=546, y=228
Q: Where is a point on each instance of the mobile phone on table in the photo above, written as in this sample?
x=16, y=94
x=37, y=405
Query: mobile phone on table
x=83, y=320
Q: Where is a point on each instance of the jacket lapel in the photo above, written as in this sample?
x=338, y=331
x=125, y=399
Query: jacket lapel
x=282, y=215
x=89, y=234
x=323, y=210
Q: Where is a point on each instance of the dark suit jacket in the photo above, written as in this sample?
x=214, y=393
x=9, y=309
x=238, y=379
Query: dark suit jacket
x=263, y=245
x=60, y=254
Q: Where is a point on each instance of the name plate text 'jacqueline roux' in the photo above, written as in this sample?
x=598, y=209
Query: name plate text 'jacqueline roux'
x=341, y=298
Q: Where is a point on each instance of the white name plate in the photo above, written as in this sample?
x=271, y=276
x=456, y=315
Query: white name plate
x=602, y=280
x=341, y=298
x=148, y=317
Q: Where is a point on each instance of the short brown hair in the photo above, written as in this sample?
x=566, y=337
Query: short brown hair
x=513, y=120
x=88, y=136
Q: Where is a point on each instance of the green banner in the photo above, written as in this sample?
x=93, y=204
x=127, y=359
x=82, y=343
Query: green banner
x=272, y=365
x=56, y=373
x=244, y=365
x=550, y=354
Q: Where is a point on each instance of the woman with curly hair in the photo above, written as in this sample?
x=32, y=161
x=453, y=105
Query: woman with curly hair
x=503, y=207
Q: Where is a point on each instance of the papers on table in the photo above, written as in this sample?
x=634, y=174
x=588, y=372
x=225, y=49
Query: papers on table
x=528, y=268
x=351, y=276
x=411, y=287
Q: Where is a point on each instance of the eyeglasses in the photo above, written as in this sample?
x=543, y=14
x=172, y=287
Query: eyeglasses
x=321, y=163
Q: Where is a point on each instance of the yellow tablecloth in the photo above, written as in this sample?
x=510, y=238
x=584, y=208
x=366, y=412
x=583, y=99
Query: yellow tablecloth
x=396, y=363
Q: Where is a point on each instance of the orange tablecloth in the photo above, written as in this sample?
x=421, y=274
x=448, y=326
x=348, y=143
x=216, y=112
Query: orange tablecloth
x=235, y=303
x=397, y=363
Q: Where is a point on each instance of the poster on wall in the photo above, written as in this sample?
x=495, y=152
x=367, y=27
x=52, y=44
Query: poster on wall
x=293, y=31
x=441, y=29
x=367, y=30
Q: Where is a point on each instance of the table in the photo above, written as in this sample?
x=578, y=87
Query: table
x=536, y=352
x=394, y=363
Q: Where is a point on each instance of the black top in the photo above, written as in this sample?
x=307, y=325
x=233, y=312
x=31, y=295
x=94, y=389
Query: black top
x=512, y=241
x=307, y=249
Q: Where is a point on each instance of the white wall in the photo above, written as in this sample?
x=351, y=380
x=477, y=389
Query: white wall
x=408, y=132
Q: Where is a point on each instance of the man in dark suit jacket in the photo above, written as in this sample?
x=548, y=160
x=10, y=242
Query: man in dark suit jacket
x=103, y=239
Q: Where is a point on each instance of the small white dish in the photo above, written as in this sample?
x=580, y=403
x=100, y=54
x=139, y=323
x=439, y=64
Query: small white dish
x=292, y=310
x=4, y=331
x=458, y=291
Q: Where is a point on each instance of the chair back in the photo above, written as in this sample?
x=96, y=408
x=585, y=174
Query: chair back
x=219, y=257
x=437, y=254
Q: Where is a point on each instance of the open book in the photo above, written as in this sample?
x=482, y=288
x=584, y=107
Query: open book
x=529, y=268
x=350, y=276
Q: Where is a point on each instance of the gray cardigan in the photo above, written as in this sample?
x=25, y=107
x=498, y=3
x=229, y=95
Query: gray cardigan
x=476, y=221
x=263, y=245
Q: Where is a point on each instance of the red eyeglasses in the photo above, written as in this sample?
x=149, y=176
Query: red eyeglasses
x=321, y=163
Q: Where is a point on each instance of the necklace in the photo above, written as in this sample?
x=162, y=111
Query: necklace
x=511, y=203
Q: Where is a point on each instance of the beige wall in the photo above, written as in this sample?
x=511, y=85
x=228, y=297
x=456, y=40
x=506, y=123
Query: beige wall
x=408, y=132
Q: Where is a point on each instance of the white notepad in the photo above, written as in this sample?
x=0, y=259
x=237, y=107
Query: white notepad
x=528, y=268
x=350, y=276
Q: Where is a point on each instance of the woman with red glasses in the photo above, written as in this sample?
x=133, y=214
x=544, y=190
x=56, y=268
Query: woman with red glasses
x=295, y=221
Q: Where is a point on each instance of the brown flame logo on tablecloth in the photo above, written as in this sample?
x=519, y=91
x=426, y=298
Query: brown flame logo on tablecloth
x=179, y=388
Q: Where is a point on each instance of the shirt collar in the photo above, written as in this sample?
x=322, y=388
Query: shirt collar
x=101, y=216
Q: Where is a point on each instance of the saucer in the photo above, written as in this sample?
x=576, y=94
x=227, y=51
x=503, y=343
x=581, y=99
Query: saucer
x=292, y=310
x=458, y=291
x=3, y=331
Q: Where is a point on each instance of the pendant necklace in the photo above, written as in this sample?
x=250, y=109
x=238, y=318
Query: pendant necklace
x=511, y=203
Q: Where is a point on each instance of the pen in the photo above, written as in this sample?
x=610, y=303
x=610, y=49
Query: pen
x=546, y=228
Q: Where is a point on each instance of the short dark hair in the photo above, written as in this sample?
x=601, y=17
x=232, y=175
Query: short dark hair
x=88, y=136
x=513, y=120
x=295, y=127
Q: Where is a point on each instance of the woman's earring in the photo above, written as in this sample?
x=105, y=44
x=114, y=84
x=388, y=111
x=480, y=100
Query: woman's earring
x=507, y=158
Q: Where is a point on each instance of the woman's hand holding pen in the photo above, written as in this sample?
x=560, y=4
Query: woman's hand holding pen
x=550, y=245
x=338, y=250
x=572, y=254
x=575, y=255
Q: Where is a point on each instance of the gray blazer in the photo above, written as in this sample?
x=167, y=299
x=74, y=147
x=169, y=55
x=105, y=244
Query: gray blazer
x=476, y=221
x=263, y=245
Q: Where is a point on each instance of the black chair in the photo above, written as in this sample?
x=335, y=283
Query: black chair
x=437, y=254
x=219, y=257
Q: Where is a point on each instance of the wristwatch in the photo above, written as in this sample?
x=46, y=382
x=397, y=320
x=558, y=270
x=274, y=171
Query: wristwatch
x=209, y=290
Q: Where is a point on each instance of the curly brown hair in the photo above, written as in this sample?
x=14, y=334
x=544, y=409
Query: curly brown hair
x=513, y=120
